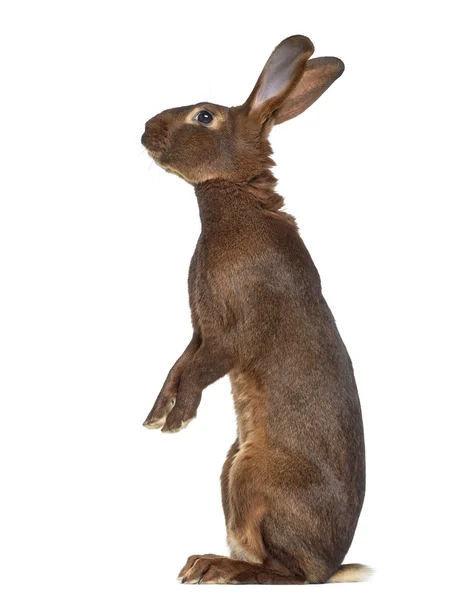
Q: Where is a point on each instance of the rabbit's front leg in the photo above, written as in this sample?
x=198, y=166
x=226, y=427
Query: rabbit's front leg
x=167, y=396
x=207, y=365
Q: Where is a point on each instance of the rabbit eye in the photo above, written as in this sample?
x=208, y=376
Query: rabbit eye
x=204, y=117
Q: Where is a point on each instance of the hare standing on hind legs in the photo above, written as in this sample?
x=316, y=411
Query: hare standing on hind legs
x=293, y=482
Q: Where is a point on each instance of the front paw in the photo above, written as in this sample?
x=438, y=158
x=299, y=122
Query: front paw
x=158, y=414
x=182, y=413
x=177, y=420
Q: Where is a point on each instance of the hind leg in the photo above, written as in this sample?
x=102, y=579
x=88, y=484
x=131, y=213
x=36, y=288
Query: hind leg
x=264, y=550
x=244, y=508
x=211, y=568
x=268, y=529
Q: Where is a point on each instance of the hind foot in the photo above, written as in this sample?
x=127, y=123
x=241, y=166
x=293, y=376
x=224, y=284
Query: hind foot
x=211, y=568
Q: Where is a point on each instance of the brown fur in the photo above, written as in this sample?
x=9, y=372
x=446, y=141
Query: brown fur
x=293, y=482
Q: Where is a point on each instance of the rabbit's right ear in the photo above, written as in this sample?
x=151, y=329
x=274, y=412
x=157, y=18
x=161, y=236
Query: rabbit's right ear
x=279, y=77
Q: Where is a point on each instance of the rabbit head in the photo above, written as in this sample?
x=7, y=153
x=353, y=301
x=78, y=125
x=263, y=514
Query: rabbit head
x=208, y=141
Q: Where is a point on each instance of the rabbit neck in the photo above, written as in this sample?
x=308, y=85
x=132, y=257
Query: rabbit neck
x=223, y=201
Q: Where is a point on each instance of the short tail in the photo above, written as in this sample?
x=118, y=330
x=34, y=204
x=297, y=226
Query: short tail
x=351, y=573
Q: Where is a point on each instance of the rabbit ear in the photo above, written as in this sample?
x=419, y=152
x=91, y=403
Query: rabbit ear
x=319, y=74
x=281, y=74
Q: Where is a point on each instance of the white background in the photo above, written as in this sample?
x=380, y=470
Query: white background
x=95, y=243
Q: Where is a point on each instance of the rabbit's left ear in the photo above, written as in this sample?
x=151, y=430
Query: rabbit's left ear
x=289, y=83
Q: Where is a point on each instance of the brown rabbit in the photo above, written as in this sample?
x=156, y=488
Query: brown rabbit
x=294, y=480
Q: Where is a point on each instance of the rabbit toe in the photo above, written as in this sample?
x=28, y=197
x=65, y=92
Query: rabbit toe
x=158, y=414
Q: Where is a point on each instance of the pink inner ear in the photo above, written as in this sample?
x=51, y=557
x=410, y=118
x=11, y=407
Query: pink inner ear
x=277, y=73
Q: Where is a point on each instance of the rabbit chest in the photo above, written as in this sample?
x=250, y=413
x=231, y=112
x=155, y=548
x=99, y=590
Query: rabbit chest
x=214, y=287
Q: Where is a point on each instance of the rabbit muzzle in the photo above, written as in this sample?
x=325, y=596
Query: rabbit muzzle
x=155, y=136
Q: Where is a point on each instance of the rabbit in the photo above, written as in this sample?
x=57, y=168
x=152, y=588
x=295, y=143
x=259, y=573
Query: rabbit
x=293, y=482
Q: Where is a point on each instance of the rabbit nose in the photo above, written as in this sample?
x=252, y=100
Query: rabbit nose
x=154, y=135
x=145, y=138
